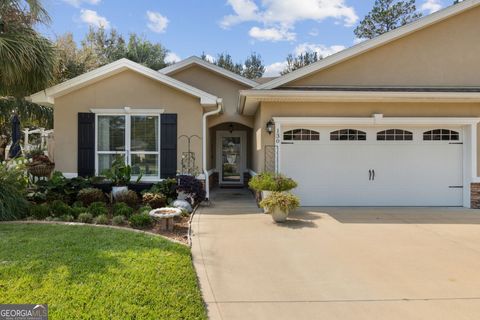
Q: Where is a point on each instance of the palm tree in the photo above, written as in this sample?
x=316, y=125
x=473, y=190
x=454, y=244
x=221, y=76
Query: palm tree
x=27, y=59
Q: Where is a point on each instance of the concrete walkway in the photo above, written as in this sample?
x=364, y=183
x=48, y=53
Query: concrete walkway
x=337, y=263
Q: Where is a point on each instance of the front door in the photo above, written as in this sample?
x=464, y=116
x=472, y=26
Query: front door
x=231, y=157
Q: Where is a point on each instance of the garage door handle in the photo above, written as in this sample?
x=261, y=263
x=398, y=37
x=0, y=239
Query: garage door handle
x=370, y=175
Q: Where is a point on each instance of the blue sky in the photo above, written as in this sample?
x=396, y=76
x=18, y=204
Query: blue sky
x=272, y=28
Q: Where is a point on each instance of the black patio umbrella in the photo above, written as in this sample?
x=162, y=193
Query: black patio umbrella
x=15, y=150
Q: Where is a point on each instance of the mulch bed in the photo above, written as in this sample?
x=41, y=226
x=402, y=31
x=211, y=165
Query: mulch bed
x=180, y=230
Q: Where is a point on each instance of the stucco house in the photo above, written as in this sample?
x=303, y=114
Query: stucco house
x=392, y=121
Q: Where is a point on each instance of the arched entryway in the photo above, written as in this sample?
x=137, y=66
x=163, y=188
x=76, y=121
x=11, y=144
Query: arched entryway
x=230, y=154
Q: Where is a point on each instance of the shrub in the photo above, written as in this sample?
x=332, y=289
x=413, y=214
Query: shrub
x=141, y=221
x=268, y=181
x=192, y=187
x=13, y=183
x=58, y=188
x=144, y=209
x=59, y=208
x=154, y=200
x=97, y=209
x=67, y=218
x=78, y=204
x=129, y=197
x=90, y=195
x=167, y=187
x=118, y=220
x=85, y=218
x=76, y=211
x=122, y=209
x=101, y=219
x=39, y=211
x=284, y=201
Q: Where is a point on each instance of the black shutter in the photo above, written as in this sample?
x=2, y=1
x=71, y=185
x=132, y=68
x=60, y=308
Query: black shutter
x=86, y=145
x=168, y=150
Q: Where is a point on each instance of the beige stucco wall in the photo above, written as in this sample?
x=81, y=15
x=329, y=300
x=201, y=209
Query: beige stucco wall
x=444, y=54
x=268, y=110
x=126, y=89
x=220, y=86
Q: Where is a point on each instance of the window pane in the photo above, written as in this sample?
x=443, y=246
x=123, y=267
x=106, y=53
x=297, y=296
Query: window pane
x=111, y=133
x=105, y=161
x=147, y=164
x=144, y=135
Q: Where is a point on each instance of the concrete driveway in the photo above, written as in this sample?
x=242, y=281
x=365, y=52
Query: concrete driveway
x=337, y=263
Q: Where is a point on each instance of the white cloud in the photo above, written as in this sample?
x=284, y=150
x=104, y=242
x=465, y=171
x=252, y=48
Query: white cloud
x=320, y=49
x=92, y=18
x=77, y=3
x=157, y=22
x=284, y=14
x=172, y=57
x=271, y=34
x=274, y=69
x=431, y=6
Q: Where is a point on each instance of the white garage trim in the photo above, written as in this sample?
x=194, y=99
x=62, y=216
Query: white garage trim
x=468, y=126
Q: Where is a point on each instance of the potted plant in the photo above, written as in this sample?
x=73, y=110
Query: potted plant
x=279, y=205
x=39, y=165
x=120, y=174
x=268, y=182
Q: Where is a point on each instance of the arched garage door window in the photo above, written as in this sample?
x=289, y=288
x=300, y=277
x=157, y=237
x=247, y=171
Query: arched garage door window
x=301, y=135
x=348, y=135
x=441, y=135
x=395, y=135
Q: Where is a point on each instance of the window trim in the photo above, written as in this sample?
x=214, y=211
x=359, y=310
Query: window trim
x=357, y=134
x=396, y=132
x=430, y=134
x=310, y=133
x=128, y=113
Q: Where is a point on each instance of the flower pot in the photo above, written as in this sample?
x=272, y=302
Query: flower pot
x=278, y=215
x=118, y=190
x=265, y=194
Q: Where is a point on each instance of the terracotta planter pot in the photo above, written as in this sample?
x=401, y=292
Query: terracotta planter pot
x=278, y=215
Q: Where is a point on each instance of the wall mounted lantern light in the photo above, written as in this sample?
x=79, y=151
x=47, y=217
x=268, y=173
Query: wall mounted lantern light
x=270, y=126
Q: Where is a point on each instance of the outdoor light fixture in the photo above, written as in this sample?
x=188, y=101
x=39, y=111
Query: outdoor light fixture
x=231, y=126
x=270, y=125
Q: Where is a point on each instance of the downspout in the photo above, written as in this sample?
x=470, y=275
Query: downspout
x=204, y=144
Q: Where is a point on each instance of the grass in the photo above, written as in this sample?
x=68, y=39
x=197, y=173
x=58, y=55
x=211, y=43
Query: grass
x=85, y=272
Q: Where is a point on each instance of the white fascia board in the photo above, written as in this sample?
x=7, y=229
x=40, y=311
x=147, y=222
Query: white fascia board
x=181, y=65
x=376, y=120
x=49, y=95
x=372, y=44
x=359, y=96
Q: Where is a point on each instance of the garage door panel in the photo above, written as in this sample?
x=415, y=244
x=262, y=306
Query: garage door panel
x=406, y=173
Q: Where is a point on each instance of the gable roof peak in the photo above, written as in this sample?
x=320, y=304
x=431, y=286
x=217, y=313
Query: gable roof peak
x=194, y=60
x=371, y=44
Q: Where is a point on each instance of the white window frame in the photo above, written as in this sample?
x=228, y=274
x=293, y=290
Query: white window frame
x=128, y=112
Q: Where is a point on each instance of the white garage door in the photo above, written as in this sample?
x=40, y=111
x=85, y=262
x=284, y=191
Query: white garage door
x=374, y=166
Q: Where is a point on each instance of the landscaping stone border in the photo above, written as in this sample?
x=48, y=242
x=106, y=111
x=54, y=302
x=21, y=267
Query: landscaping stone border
x=101, y=226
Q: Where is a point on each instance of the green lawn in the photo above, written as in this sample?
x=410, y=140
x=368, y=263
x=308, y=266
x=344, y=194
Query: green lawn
x=96, y=273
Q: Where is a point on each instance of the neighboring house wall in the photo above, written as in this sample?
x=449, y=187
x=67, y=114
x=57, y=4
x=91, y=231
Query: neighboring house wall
x=126, y=89
x=219, y=86
x=444, y=54
x=268, y=110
